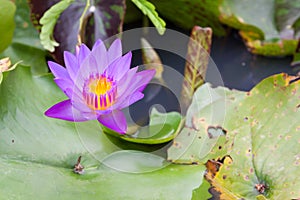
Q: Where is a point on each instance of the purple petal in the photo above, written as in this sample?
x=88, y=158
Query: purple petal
x=77, y=100
x=140, y=80
x=73, y=93
x=97, y=43
x=58, y=70
x=71, y=64
x=130, y=100
x=119, y=67
x=115, y=50
x=88, y=67
x=126, y=80
x=99, y=52
x=84, y=51
x=64, y=84
x=64, y=110
x=115, y=120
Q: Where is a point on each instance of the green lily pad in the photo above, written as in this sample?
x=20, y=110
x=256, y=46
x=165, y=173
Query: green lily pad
x=264, y=35
x=40, y=152
x=162, y=128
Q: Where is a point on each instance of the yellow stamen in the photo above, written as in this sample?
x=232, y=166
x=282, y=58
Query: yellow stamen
x=100, y=86
x=99, y=92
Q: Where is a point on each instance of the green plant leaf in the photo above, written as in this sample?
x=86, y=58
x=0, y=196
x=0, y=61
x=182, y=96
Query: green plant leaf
x=149, y=9
x=7, y=23
x=163, y=127
x=36, y=150
x=262, y=34
x=26, y=43
x=196, y=65
x=188, y=13
x=48, y=22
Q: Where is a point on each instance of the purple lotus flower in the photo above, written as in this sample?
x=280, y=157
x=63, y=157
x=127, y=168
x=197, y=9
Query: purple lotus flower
x=99, y=84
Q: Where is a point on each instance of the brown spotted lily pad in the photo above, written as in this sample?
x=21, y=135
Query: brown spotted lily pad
x=262, y=140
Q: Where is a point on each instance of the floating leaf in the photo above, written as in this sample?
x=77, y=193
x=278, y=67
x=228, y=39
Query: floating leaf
x=188, y=13
x=48, y=22
x=149, y=9
x=196, y=64
x=265, y=157
x=163, y=127
x=34, y=146
x=102, y=20
x=7, y=23
x=263, y=35
x=269, y=48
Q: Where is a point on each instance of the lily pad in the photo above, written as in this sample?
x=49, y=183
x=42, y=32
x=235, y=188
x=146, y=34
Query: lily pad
x=162, y=128
x=264, y=35
x=265, y=157
x=39, y=151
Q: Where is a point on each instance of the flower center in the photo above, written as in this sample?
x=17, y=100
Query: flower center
x=99, y=92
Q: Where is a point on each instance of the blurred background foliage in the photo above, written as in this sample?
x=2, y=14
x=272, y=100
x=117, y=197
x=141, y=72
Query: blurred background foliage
x=269, y=28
